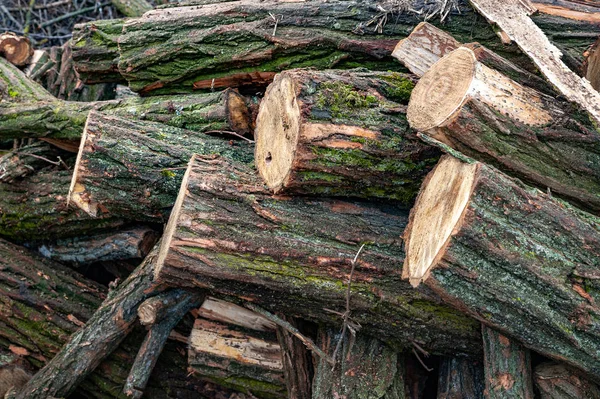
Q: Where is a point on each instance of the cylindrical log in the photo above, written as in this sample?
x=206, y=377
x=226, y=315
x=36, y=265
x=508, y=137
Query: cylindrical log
x=16, y=87
x=132, y=8
x=245, y=360
x=365, y=368
x=511, y=256
x=507, y=366
x=487, y=116
x=16, y=49
x=341, y=134
x=294, y=255
x=35, y=209
x=42, y=303
x=460, y=378
x=132, y=243
x=557, y=381
x=133, y=169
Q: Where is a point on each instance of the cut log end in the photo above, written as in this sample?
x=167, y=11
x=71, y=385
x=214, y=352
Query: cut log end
x=17, y=50
x=277, y=130
x=442, y=90
x=238, y=114
x=436, y=214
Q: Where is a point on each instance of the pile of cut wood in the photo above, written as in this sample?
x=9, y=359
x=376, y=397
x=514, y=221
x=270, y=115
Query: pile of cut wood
x=304, y=199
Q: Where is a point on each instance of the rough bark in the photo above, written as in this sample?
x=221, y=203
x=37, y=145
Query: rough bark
x=133, y=169
x=541, y=140
x=246, y=360
x=297, y=362
x=132, y=243
x=511, y=256
x=39, y=114
x=293, y=255
x=35, y=209
x=156, y=338
x=460, y=378
x=512, y=17
x=42, y=303
x=100, y=336
x=341, y=134
x=15, y=49
x=365, y=368
x=132, y=8
x=557, y=381
x=507, y=367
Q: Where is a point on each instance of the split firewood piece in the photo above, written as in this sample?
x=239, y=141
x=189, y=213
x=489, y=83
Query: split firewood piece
x=294, y=256
x=511, y=256
x=297, y=361
x=512, y=17
x=558, y=381
x=28, y=110
x=230, y=313
x=460, y=378
x=248, y=360
x=60, y=302
x=16, y=49
x=365, y=368
x=181, y=302
x=133, y=169
x=100, y=336
x=427, y=44
x=132, y=8
x=487, y=116
x=507, y=367
x=35, y=208
x=125, y=244
x=592, y=65
x=341, y=134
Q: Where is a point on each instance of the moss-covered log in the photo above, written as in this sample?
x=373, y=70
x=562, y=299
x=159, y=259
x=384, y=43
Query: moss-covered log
x=133, y=169
x=544, y=141
x=460, y=378
x=507, y=367
x=35, y=209
x=517, y=259
x=365, y=368
x=36, y=113
x=293, y=255
x=558, y=381
x=42, y=303
x=132, y=8
x=245, y=360
x=341, y=134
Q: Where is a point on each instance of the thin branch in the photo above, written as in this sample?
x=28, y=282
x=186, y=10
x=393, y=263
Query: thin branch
x=230, y=133
x=57, y=163
x=421, y=361
x=73, y=14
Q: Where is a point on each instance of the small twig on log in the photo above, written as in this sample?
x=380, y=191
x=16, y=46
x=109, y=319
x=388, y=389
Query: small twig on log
x=231, y=133
x=292, y=330
x=420, y=360
x=74, y=13
x=57, y=163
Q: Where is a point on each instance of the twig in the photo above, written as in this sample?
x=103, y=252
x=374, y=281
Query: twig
x=346, y=315
x=57, y=163
x=292, y=330
x=231, y=133
x=73, y=14
x=28, y=17
x=421, y=361
x=276, y=19
x=12, y=19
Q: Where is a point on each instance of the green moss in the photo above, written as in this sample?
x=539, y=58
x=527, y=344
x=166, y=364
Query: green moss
x=342, y=99
x=400, y=87
x=168, y=173
x=13, y=93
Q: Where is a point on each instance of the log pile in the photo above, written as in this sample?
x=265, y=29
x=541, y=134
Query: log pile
x=304, y=199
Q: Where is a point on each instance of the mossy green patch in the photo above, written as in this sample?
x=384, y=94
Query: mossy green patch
x=342, y=99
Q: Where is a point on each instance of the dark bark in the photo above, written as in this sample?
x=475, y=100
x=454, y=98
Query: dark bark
x=365, y=368
x=507, y=367
x=133, y=169
x=340, y=134
x=245, y=360
x=558, y=381
x=100, y=336
x=156, y=338
x=517, y=259
x=293, y=255
x=460, y=378
x=297, y=363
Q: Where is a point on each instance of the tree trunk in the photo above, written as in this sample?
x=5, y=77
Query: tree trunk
x=365, y=368
x=460, y=378
x=39, y=114
x=340, y=134
x=133, y=169
x=511, y=256
x=527, y=134
x=100, y=336
x=132, y=243
x=245, y=360
x=42, y=303
x=293, y=255
x=507, y=367
x=36, y=208
x=557, y=381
